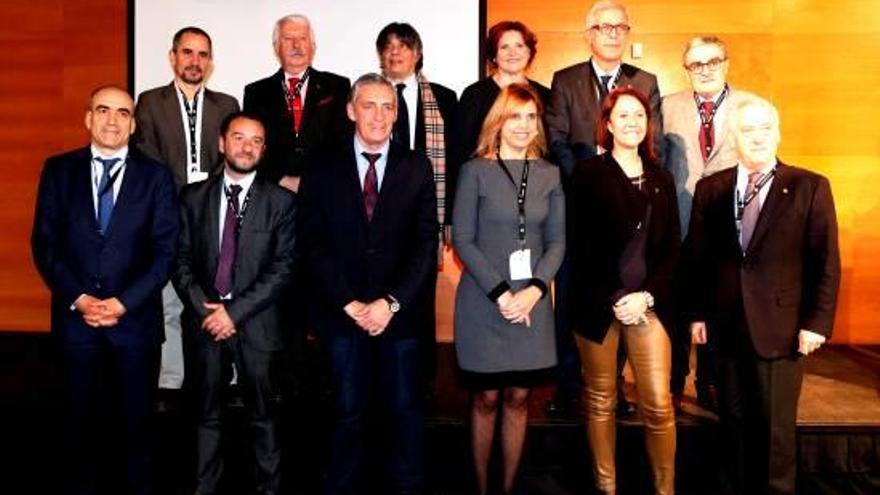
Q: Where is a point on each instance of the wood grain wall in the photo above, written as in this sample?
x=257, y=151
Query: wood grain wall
x=817, y=60
x=53, y=53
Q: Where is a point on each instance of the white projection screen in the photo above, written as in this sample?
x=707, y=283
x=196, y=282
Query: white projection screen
x=345, y=32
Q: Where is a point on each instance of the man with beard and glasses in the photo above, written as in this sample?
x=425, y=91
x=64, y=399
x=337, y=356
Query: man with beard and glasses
x=177, y=125
x=234, y=262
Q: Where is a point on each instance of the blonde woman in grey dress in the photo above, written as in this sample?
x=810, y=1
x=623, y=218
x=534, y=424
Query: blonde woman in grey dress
x=509, y=231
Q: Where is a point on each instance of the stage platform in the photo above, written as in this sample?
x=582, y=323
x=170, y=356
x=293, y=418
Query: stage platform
x=838, y=433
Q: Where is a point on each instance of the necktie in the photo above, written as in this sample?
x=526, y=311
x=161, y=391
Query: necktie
x=296, y=105
x=707, y=130
x=371, y=184
x=751, y=211
x=401, y=125
x=603, y=87
x=229, y=244
x=105, y=193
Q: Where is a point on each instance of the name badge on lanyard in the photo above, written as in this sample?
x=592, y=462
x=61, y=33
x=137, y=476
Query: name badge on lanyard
x=521, y=259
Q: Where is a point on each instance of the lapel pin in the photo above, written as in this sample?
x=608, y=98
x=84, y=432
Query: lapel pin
x=784, y=190
x=656, y=190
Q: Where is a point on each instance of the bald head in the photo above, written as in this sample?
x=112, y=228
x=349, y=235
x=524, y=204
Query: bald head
x=110, y=118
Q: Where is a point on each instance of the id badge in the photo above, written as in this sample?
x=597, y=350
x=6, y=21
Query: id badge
x=521, y=264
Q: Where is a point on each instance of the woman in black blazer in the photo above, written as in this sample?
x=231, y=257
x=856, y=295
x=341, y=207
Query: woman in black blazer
x=625, y=243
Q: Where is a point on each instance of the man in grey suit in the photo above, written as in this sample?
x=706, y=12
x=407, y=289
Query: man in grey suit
x=697, y=144
x=578, y=90
x=577, y=102
x=234, y=262
x=178, y=125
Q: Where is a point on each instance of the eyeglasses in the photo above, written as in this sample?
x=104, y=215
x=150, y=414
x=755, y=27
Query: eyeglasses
x=607, y=29
x=698, y=67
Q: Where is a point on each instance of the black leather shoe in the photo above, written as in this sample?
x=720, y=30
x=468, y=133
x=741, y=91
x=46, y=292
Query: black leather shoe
x=624, y=407
x=707, y=398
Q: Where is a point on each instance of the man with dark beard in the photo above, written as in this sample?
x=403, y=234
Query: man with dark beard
x=235, y=260
x=177, y=125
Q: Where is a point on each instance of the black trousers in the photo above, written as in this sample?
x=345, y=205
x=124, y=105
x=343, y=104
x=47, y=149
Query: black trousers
x=707, y=359
x=758, y=408
x=109, y=391
x=211, y=373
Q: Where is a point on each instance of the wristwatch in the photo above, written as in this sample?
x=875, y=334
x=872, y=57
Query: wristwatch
x=393, y=303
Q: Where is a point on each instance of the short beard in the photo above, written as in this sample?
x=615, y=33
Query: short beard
x=235, y=167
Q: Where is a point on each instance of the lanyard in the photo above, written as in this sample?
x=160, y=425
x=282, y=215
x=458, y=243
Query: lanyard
x=111, y=180
x=741, y=203
x=239, y=212
x=520, y=197
x=297, y=90
x=705, y=118
x=600, y=86
x=191, y=117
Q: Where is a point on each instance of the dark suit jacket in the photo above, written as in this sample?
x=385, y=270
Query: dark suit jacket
x=447, y=103
x=575, y=110
x=131, y=262
x=606, y=212
x=161, y=131
x=788, y=278
x=349, y=258
x=263, y=265
x=324, y=124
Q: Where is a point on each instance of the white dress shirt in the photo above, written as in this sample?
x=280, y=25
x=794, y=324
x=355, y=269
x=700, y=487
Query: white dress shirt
x=363, y=164
x=193, y=164
x=742, y=182
x=98, y=171
x=245, y=184
x=411, y=96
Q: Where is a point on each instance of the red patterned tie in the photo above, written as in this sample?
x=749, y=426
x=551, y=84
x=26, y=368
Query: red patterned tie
x=371, y=184
x=707, y=130
x=296, y=106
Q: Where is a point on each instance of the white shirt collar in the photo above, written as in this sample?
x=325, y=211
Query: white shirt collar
x=245, y=182
x=600, y=72
x=121, y=153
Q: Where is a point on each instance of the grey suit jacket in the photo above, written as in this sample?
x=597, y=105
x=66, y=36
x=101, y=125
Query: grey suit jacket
x=263, y=262
x=160, y=129
x=681, y=124
x=574, y=111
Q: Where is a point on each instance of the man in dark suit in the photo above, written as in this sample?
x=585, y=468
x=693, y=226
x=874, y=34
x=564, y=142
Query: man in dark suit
x=425, y=115
x=578, y=92
x=177, y=126
x=698, y=144
x=235, y=260
x=303, y=108
x=765, y=269
x=369, y=229
x=104, y=240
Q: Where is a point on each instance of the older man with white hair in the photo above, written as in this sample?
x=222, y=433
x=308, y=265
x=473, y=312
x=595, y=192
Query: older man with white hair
x=764, y=264
x=303, y=108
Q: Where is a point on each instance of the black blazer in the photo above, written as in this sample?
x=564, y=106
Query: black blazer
x=787, y=279
x=161, y=133
x=324, y=124
x=606, y=211
x=447, y=103
x=263, y=265
x=349, y=258
x=131, y=262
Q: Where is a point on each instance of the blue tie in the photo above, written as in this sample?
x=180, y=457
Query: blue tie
x=105, y=193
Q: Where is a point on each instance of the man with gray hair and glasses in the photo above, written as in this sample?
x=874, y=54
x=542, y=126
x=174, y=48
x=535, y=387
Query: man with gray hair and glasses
x=697, y=144
x=578, y=92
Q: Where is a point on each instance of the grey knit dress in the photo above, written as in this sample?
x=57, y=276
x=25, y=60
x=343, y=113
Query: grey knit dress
x=485, y=221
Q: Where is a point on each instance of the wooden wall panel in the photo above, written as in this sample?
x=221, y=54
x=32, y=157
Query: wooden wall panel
x=818, y=61
x=53, y=53
x=813, y=58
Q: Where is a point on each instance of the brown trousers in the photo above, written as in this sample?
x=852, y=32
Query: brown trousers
x=650, y=357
